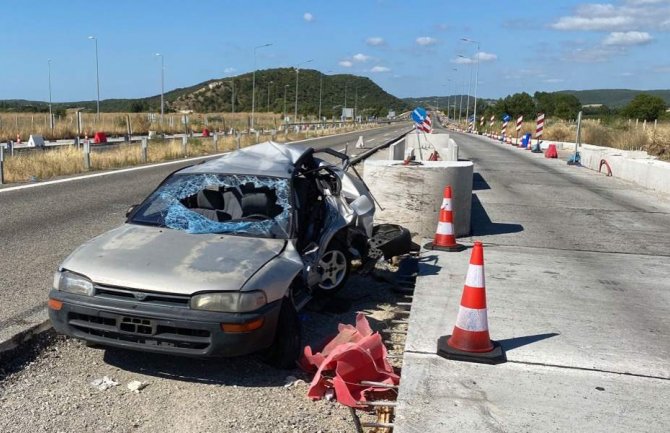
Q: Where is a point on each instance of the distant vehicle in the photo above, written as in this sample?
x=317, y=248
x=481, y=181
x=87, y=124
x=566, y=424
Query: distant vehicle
x=220, y=257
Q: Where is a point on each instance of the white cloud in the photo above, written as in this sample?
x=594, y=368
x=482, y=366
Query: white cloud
x=625, y=15
x=375, y=41
x=229, y=70
x=483, y=57
x=592, y=23
x=308, y=17
x=346, y=63
x=627, y=38
x=377, y=69
x=486, y=57
x=360, y=57
x=553, y=80
x=425, y=41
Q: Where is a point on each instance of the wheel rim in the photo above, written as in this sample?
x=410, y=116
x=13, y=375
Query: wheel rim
x=334, y=265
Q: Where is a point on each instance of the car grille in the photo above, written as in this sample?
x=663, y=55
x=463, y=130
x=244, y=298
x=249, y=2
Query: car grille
x=142, y=332
x=123, y=294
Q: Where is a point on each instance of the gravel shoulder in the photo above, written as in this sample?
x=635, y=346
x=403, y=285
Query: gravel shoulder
x=53, y=393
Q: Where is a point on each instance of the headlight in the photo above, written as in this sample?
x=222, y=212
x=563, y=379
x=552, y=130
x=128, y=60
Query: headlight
x=229, y=302
x=73, y=283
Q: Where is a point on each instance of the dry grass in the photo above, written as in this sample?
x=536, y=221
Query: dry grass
x=25, y=124
x=67, y=160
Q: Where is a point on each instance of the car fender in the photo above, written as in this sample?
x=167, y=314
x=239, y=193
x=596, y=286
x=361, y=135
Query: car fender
x=276, y=276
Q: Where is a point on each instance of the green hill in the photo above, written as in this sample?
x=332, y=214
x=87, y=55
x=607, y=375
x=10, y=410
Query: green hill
x=215, y=96
x=614, y=98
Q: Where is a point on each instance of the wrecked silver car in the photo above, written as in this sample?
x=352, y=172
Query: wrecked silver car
x=220, y=257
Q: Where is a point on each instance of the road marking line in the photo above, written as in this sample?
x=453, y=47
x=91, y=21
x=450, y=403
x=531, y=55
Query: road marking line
x=107, y=173
x=372, y=139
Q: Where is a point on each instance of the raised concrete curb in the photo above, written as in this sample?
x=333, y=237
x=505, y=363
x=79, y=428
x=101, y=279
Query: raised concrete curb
x=419, y=189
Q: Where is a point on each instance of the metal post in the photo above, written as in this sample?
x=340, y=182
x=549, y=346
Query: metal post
x=184, y=142
x=87, y=155
x=215, y=141
x=269, y=86
x=237, y=140
x=144, y=149
x=295, y=113
x=2, y=163
x=320, y=92
x=51, y=116
x=476, y=81
x=253, y=85
x=285, y=87
x=162, y=84
x=97, y=74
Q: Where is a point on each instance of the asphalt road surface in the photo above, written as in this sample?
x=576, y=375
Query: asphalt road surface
x=40, y=226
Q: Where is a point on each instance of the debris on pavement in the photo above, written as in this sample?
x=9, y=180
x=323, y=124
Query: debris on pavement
x=354, y=355
x=104, y=383
x=292, y=382
x=136, y=386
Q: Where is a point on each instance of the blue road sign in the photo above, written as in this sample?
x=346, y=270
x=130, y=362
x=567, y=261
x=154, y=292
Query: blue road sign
x=507, y=118
x=419, y=115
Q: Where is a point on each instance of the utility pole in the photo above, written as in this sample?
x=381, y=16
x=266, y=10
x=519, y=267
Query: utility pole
x=253, y=85
x=477, y=55
x=162, y=83
x=285, y=87
x=51, y=116
x=269, y=85
x=97, y=74
x=297, y=72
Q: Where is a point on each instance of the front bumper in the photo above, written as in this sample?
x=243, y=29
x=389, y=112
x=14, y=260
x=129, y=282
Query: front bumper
x=161, y=329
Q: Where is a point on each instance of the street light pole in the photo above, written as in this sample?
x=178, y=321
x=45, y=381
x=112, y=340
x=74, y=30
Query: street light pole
x=476, y=74
x=253, y=85
x=269, y=85
x=162, y=84
x=97, y=74
x=297, y=72
x=285, y=87
x=51, y=116
x=232, y=96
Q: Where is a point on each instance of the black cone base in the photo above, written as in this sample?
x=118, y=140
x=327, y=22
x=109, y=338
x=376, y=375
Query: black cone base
x=536, y=150
x=496, y=356
x=452, y=249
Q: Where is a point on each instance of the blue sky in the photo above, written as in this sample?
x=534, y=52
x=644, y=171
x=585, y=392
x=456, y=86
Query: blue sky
x=409, y=50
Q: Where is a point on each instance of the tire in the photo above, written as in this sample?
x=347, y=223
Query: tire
x=286, y=347
x=336, y=265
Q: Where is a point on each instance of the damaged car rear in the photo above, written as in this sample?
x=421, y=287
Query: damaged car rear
x=220, y=257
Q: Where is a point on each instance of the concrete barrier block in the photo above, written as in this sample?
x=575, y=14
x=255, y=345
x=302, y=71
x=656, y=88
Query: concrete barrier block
x=411, y=195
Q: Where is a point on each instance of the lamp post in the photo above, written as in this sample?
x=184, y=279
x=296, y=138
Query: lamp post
x=51, y=116
x=162, y=84
x=269, y=85
x=97, y=74
x=467, y=107
x=232, y=96
x=286, y=86
x=476, y=74
x=320, y=92
x=297, y=72
x=253, y=85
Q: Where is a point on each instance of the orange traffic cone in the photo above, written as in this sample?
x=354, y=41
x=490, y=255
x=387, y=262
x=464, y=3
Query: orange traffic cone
x=470, y=340
x=445, y=240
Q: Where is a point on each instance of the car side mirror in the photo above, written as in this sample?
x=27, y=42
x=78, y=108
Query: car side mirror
x=130, y=210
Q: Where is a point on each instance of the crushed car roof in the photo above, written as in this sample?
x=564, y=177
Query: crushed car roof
x=264, y=159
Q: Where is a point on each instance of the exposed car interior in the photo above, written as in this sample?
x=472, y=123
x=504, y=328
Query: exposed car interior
x=224, y=203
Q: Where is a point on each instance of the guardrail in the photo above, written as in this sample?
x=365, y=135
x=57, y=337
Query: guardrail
x=87, y=146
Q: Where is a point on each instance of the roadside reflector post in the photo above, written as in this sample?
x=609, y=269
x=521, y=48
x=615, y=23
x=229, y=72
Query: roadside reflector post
x=87, y=154
x=184, y=142
x=258, y=134
x=215, y=141
x=2, y=163
x=144, y=149
x=237, y=140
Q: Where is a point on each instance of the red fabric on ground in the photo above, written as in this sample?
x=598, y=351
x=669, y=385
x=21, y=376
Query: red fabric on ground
x=355, y=354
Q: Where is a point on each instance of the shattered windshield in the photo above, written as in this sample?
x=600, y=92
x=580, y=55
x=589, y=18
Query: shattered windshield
x=215, y=203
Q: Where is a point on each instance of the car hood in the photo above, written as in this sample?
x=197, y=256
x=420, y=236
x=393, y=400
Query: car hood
x=171, y=261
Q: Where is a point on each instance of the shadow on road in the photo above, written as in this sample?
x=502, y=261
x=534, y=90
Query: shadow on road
x=479, y=183
x=482, y=225
x=513, y=343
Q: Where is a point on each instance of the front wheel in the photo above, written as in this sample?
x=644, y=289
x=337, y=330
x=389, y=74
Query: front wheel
x=286, y=347
x=335, y=265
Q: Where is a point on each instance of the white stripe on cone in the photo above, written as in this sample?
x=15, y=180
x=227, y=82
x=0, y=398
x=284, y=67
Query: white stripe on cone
x=475, y=276
x=445, y=228
x=446, y=204
x=473, y=320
